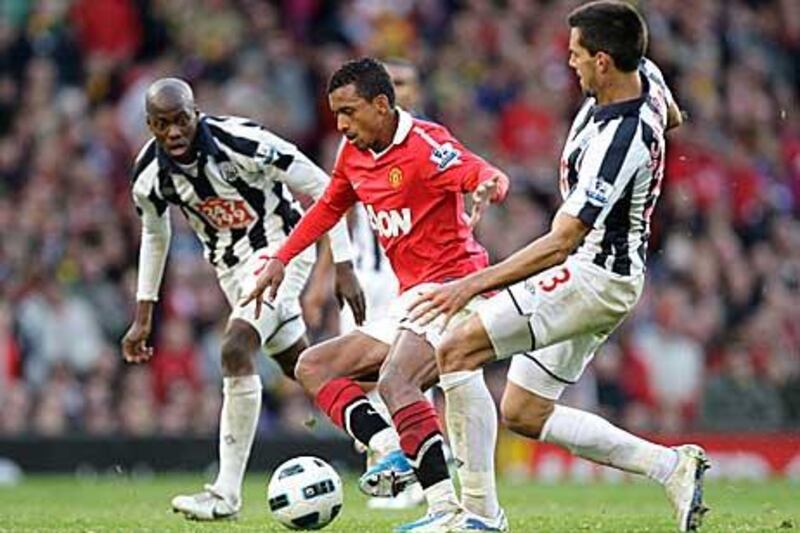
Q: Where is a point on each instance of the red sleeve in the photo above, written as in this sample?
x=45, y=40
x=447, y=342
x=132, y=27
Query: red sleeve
x=459, y=170
x=323, y=215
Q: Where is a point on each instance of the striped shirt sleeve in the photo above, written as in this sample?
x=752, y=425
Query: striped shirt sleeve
x=611, y=160
x=155, y=237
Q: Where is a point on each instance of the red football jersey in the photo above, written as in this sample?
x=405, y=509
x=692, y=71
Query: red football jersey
x=413, y=194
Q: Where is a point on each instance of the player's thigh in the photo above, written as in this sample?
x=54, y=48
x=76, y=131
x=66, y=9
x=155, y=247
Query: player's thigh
x=556, y=305
x=280, y=324
x=411, y=362
x=352, y=356
x=549, y=371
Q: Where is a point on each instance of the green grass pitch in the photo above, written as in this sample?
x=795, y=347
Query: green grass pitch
x=123, y=504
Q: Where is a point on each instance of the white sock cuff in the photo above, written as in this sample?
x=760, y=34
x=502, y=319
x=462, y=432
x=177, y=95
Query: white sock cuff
x=241, y=385
x=558, y=411
x=453, y=379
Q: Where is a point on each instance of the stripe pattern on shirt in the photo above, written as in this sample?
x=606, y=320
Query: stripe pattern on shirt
x=611, y=171
x=231, y=198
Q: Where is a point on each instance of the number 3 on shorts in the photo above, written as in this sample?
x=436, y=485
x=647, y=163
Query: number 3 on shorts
x=562, y=276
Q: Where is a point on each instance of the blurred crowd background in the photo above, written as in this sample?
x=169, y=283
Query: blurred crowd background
x=713, y=345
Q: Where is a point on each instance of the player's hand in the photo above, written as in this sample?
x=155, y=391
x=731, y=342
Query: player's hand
x=348, y=289
x=270, y=276
x=481, y=199
x=446, y=300
x=134, y=343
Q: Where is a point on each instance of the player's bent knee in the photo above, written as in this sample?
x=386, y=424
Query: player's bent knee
x=466, y=347
x=525, y=413
x=311, y=371
x=238, y=347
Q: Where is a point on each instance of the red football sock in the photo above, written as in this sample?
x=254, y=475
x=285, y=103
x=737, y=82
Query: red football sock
x=345, y=403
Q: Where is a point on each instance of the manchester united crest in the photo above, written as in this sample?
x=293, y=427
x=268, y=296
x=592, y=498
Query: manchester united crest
x=395, y=177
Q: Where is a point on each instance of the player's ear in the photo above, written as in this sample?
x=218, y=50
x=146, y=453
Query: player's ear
x=382, y=103
x=603, y=61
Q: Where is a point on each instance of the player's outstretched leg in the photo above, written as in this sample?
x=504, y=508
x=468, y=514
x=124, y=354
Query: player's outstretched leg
x=241, y=406
x=680, y=470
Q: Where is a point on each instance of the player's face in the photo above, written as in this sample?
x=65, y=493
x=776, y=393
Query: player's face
x=174, y=129
x=406, y=85
x=582, y=62
x=358, y=119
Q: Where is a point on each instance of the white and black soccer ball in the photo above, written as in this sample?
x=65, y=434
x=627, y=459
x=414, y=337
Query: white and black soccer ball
x=305, y=493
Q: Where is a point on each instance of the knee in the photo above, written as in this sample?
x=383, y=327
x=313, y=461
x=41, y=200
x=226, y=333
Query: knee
x=525, y=418
x=450, y=353
x=310, y=371
x=461, y=349
x=238, y=349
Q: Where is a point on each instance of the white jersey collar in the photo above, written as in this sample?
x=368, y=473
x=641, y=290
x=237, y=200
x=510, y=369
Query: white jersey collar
x=404, y=125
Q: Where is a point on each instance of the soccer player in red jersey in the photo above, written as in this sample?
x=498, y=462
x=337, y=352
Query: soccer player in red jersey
x=411, y=176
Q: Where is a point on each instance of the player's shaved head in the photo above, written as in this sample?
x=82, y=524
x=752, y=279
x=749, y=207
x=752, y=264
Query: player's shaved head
x=168, y=93
x=172, y=117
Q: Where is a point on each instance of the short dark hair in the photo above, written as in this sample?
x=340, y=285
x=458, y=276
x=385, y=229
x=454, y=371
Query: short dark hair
x=369, y=77
x=612, y=27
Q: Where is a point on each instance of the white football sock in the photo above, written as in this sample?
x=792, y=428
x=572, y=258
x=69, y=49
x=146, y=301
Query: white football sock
x=591, y=437
x=384, y=442
x=441, y=496
x=241, y=406
x=472, y=429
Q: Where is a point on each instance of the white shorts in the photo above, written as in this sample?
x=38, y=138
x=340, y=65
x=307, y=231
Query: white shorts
x=380, y=289
x=281, y=323
x=386, y=327
x=555, y=321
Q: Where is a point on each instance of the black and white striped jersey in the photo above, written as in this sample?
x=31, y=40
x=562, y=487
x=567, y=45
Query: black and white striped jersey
x=611, y=173
x=235, y=195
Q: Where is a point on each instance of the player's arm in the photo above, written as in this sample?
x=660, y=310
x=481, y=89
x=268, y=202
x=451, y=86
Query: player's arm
x=460, y=170
x=306, y=177
x=153, y=249
x=608, y=166
x=323, y=215
x=675, y=116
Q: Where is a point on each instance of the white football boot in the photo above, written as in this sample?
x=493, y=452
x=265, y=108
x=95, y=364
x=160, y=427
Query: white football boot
x=206, y=505
x=465, y=521
x=685, y=487
x=433, y=522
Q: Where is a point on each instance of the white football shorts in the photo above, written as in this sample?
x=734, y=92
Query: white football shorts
x=281, y=322
x=385, y=328
x=553, y=323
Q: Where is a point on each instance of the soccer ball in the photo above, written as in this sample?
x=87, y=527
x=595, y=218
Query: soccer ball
x=305, y=493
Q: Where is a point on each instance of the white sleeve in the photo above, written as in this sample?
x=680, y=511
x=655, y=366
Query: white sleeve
x=611, y=161
x=156, y=234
